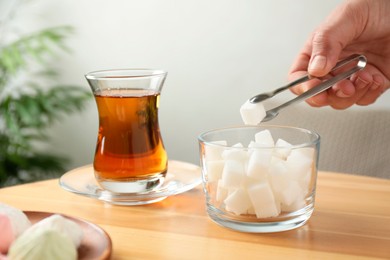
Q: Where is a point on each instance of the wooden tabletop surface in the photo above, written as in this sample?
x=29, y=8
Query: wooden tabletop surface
x=351, y=221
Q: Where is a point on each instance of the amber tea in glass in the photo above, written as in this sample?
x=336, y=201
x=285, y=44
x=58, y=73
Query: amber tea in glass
x=130, y=154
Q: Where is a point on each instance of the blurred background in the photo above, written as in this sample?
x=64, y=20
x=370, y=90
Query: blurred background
x=217, y=54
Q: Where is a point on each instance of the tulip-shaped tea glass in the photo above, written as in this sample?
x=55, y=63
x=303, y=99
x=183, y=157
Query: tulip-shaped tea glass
x=130, y=155
x=259, y=178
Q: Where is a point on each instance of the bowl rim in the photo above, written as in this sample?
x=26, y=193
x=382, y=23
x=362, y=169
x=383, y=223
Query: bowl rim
x=314, y=134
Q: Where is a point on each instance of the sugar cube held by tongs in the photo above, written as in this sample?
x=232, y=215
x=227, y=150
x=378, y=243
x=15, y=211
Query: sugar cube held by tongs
x=326, y=83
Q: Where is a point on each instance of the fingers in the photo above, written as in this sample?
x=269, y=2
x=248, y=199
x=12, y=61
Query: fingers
x=367, y=88
x=333, y=40
x=343, y=89
x=362, y=89
x=345, y=99
x=318, y=100
x=375, y=89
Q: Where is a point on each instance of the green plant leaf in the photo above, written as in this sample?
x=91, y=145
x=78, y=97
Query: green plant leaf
x=24, y=117
x=38, y=46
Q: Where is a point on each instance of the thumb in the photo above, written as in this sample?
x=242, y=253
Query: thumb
x=329, y=40
x=325, y=53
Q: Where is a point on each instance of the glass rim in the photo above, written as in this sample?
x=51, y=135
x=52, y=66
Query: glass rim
x=121, y=74
x=315, y=141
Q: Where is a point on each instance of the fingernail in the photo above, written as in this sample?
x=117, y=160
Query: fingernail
x=318, y=63
x=312, y=102
x=341, y=94
x=360, y=83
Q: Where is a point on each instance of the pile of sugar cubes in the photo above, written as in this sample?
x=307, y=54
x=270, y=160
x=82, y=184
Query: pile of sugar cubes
x=260, y=181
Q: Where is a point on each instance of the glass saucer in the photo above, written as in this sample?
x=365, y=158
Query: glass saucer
x=180, y=178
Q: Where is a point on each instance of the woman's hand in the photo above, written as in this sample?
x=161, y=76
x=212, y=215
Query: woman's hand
x=357, y=26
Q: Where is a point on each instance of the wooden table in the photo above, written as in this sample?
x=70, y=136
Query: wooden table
x=351, y=221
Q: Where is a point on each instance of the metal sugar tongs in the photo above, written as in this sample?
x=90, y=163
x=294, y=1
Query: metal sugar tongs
x=324, y=85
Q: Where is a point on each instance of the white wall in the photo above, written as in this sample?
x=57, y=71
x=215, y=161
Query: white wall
x=217, y=53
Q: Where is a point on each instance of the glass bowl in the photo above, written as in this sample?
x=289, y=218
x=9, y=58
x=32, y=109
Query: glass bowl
x=259, y=178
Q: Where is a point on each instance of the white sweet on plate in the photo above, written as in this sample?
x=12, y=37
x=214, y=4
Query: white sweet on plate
x=61, y=224
x=13, y=222
x=19, y=220
x=7, y=233
x=42, y=244
x=54, y=237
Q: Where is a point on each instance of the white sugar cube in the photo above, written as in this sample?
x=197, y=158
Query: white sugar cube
x=252, y=113
x=291, y=194
x=249, y=181
x=252, y=147
x=296, y=205
x=258, y=164
x=282, y=149
x=306, y=151
x=298, y=164
x=278, y=174
x=235, y=153
x=253, y=144
x=251, y=211
x=214, y=170
x=214, y=152
x=222, y=192
x=263, y=200
x=264, y=138
x=211, y=188
x=238, y=202
x=233, y=174
x=305, y=182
